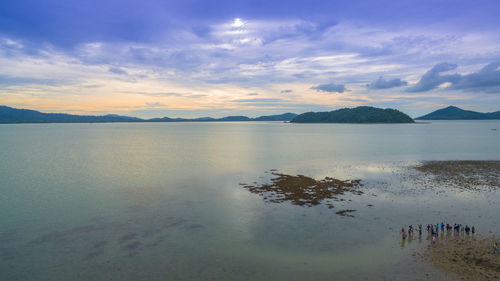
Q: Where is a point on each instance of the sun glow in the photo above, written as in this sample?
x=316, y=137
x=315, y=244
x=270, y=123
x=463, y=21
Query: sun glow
x=238, y=23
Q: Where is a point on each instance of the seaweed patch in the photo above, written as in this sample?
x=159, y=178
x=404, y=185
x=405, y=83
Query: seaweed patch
x=345, y=213
x=304, y=191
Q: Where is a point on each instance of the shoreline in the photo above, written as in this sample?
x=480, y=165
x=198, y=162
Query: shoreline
x=466, y=257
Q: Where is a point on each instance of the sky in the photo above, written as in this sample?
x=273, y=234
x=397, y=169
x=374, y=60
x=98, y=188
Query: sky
x=197, y=58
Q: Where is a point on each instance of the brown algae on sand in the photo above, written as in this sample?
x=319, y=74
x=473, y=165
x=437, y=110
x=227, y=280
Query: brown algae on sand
x=345, y=213
x=470, y=175
x=305, y=191
x=467, y=258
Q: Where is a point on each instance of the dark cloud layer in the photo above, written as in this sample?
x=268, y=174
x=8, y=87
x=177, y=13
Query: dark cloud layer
x=70, y=22
x=330, y=88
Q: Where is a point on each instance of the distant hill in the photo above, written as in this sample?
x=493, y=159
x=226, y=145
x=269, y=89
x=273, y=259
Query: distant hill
x=234, y=118
x=361, y=114
x=14, y=115
x=281, y=117
x=455, y=113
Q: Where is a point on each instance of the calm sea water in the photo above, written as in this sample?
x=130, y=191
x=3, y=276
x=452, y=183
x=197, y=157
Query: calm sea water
x=143, y=201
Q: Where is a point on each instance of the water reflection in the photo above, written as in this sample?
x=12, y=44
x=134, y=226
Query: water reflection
x=145, y=201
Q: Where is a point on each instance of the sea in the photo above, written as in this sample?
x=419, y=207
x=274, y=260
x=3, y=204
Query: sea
x=166, y=201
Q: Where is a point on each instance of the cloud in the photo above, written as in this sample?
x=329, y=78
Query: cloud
x=92, y=86
x=258, y=100
x=172, y=94
x=172, y=58
x=432, y=78
x=486, y=80
x=354, y=100
x=160, y=94
x=381, y=83
x=330, y=88
x=9, y=81
x=195, y=96
x=252, y=94
x=117, y=70
x=154, y=104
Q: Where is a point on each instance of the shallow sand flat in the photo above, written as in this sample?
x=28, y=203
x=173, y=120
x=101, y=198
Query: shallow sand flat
x=465, y=257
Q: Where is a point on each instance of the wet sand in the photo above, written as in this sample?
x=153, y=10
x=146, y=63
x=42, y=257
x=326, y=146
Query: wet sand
x=465, y=257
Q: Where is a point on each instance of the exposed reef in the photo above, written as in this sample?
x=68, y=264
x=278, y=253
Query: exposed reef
x=305, y=191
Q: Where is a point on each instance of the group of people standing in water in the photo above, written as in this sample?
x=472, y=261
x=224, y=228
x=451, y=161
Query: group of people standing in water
x=433, y=229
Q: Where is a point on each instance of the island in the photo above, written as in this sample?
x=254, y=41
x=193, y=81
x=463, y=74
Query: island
x=455, y=113
x=10, y=115
x=361, y=114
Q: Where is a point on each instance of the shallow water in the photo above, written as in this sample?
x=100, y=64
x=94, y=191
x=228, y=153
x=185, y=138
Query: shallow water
x=142, y=201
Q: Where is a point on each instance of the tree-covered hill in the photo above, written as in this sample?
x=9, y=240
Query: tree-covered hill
x=15, y=115
x=455, y=113
x=361, y=114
